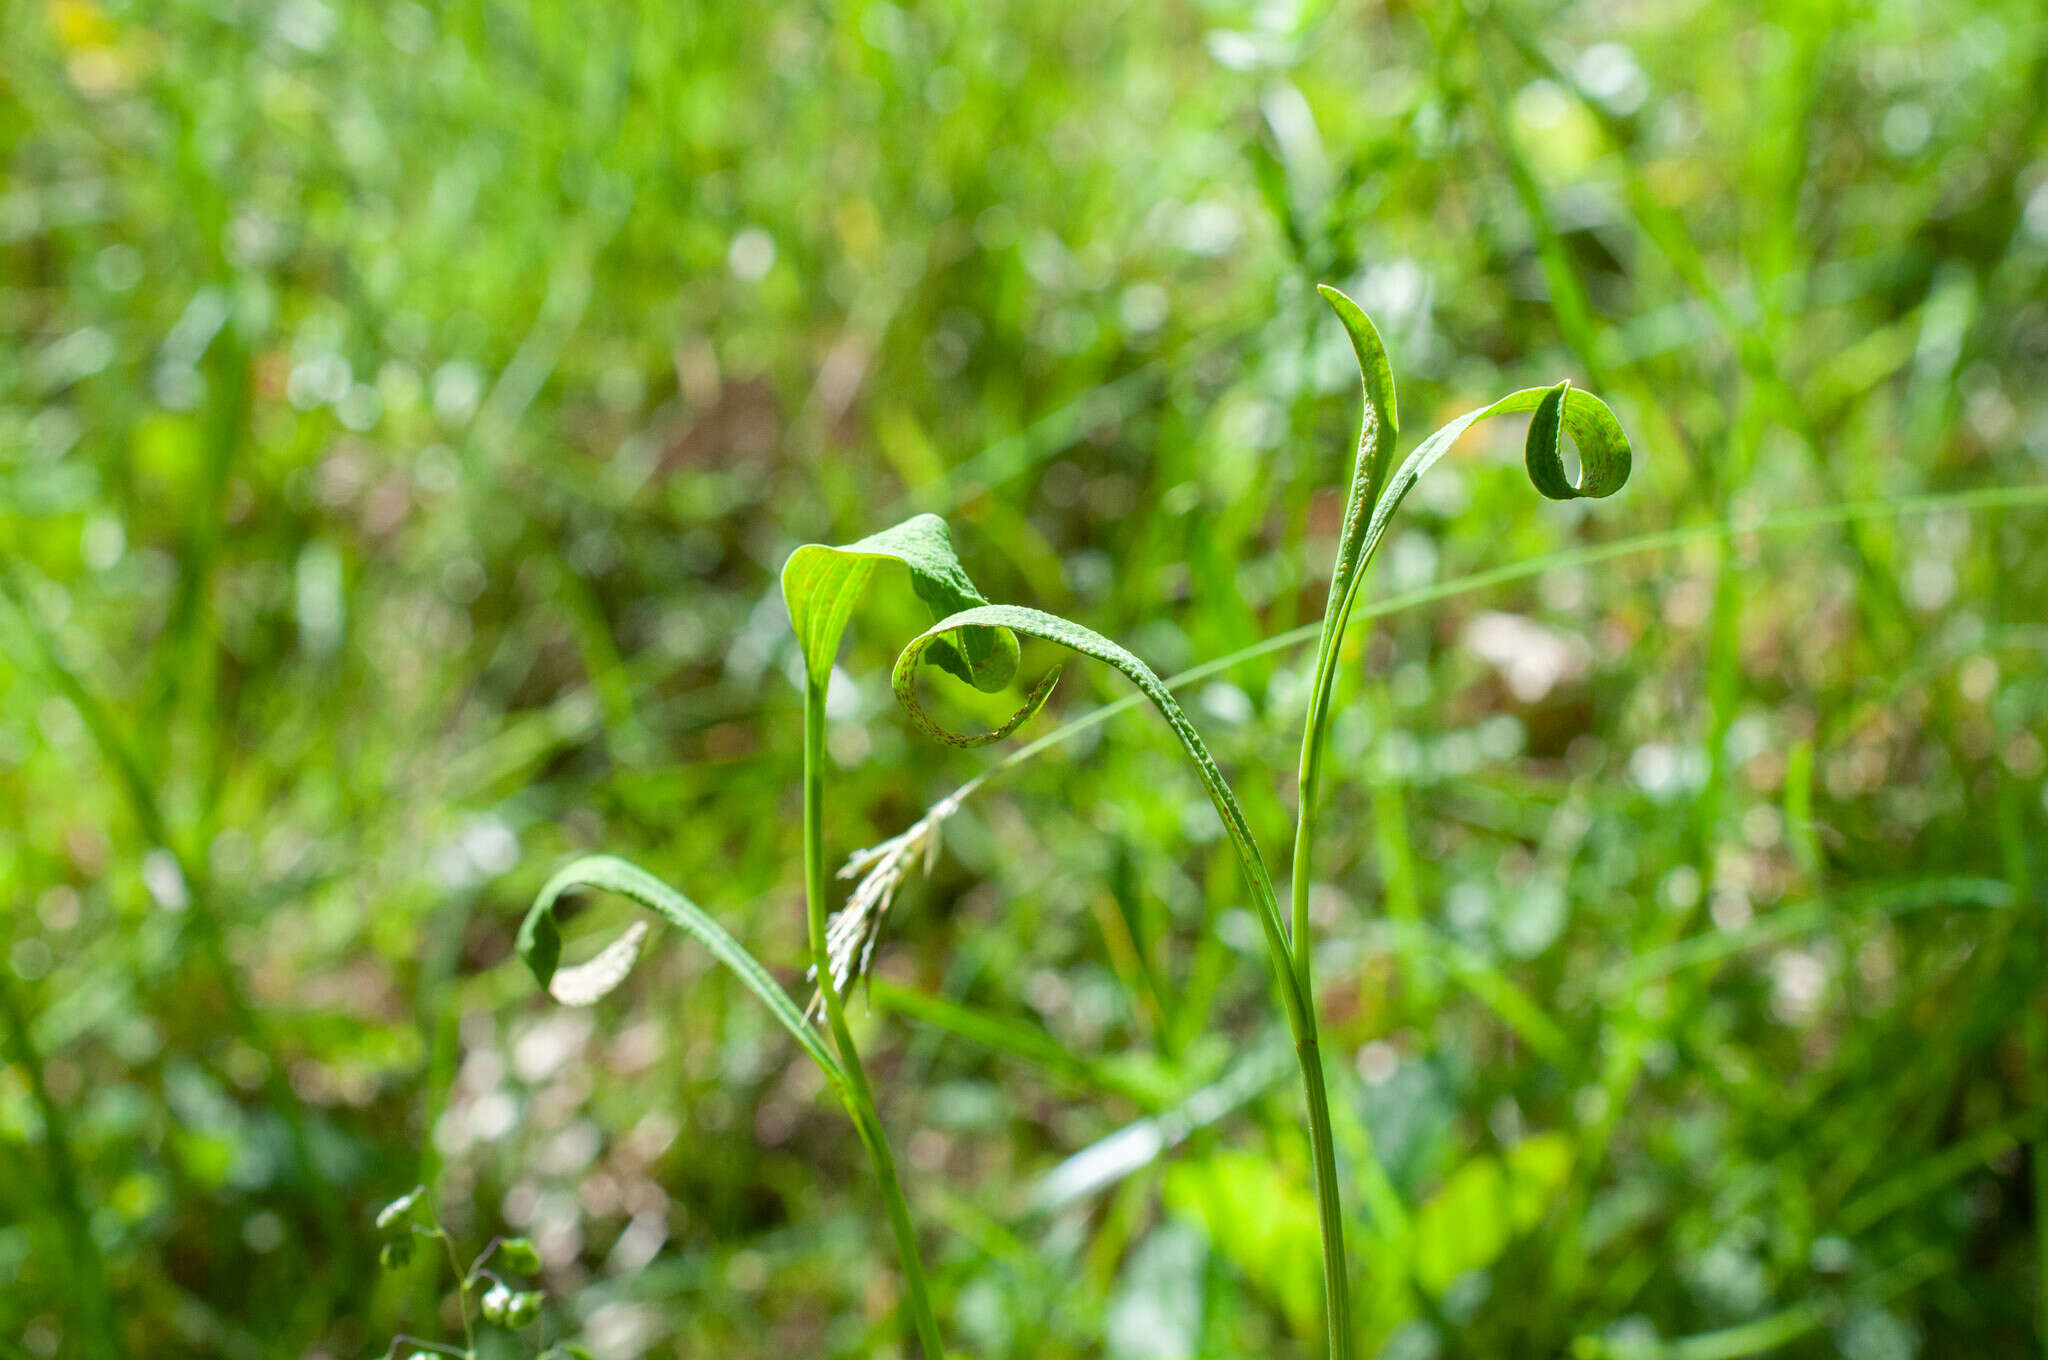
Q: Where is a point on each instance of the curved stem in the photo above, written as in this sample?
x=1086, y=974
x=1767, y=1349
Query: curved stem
x=1291, y=971
x=1294, y=996
x=1301, y=1025
x=860, y=1101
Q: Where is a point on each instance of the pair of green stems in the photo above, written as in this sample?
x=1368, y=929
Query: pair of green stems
x=1293, y=974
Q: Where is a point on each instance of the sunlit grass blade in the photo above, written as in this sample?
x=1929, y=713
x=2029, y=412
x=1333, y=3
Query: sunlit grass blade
x=1136, y=1145
x=540, y=940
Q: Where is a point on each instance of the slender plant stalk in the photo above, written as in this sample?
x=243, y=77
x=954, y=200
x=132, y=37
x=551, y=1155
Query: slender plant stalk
x=860, y=1101
x=1335, y=1275
x=1329, y=1206
x=89, y=1278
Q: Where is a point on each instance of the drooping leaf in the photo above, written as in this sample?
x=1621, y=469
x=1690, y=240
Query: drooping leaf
x=540, y=939
x=822, y=584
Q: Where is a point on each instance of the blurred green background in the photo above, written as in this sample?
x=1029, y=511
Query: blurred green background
x=404, y=412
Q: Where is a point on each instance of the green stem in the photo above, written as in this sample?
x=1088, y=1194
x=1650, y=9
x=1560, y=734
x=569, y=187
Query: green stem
x=860, y=1101
x=1290, y=968
x=461, y=1285
x=90, y=1273
x=1301, y=1025
x=1335, y=1278
x=1305, y=818
x=1329, y=1204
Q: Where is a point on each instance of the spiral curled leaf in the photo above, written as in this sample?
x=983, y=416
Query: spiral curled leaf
x=822, y=584
x=1373, y=496
x=540, y=940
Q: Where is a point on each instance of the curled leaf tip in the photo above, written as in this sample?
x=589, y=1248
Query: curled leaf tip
x=1603, y=448
x=587, y=983
x=904, y=682
x=1545, y=450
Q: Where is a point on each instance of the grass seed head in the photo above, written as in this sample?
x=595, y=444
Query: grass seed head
x=851, y=934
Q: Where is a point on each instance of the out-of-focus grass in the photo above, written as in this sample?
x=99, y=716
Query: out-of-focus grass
x=402, y=412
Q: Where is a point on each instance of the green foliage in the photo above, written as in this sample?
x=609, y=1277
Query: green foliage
x=821, y=587
x=1370, y=502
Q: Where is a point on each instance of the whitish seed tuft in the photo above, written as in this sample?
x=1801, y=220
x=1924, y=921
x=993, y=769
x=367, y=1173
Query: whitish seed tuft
x=583, y=984
x=851, y=934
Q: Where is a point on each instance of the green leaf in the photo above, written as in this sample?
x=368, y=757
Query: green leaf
x=1484, y=1205
x=1074, y=637
x=1257, y=1219
x=540, y=939
x=1376, y=436
x=821, y=585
